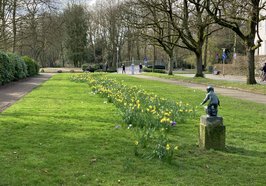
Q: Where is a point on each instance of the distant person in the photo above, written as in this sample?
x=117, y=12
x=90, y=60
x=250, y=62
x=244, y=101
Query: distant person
x=264, y=72
x=123, y=68
x=140, y=68
x=212, y=108
x=132, y=68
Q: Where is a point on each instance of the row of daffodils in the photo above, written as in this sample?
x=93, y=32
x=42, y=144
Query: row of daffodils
x=150, y=116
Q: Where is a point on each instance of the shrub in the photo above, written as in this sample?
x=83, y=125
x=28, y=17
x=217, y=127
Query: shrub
x=99, y=70
x=20, y=68
x=37, y=68
x=6, y=69
x=112, y=69
x=32, y=66
x=157, y=66
x=84, y=67
x=97, y=67
x=91, y=67
x=25, y=68
x=154, y=70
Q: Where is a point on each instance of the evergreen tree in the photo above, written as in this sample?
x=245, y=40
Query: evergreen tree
x=76, y=34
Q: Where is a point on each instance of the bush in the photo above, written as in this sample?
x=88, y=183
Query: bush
x=97, y=67
x=20, y=68
x=112, y=69
x=91, y=67
x=157, y=66
x=37, y=68
x=99, y=70
x=84, y=67
x=6, y=69
x=155, y=70
x=32, y=66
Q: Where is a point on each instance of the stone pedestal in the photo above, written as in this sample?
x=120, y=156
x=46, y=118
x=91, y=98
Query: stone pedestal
x=211, y=133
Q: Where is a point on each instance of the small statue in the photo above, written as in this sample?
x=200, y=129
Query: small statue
x=212, y=108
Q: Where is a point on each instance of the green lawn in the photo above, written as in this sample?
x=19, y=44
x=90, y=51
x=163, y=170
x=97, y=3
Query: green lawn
x=62, y=134
x=258, y=88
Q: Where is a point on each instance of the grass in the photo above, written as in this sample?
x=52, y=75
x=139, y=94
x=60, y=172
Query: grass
x=61, y=134
x=258, y=88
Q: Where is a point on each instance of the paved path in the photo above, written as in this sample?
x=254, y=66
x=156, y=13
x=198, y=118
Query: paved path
x=13, y=91
x=232, y=78
x=258, y=98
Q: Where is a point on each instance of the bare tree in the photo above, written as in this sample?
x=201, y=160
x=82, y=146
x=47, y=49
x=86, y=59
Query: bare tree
x=109, y=30
x=242, y=17
x=191, y=21
x=5, y=13
x=152, y=18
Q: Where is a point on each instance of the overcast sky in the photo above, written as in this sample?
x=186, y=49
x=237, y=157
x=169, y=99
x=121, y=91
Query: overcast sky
x=89, y=2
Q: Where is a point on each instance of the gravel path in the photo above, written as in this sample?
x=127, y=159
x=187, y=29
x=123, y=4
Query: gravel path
x=258, y=98
x=13, y=91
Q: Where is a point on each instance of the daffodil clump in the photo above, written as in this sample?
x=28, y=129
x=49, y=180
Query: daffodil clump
x=138, y=107
x=141, y=109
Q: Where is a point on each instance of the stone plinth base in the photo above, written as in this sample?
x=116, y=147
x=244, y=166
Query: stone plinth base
x=211, y=133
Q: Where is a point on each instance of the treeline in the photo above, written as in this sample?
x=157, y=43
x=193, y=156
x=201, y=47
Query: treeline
x=72, y=34
x=14, y=67
x=113, y=31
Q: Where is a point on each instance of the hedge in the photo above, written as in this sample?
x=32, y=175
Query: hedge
x=13, y=67
x=91, y=67
x=6, y=69
x=32, y=66
x=154, y=70
x=20, y=68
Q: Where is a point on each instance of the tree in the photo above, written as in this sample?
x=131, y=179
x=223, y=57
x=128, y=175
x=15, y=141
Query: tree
x=194, y=25
x=14, y=23
x=152, y=18
x=76, y=33
x=29, y=26
x=243, y=18
x=4, y=16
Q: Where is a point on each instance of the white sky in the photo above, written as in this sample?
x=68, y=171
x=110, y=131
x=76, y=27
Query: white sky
x=89, y=2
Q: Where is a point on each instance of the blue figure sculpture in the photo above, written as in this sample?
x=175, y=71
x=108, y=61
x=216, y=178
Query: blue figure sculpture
x=212, y=108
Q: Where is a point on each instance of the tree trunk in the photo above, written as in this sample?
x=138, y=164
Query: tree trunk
x=154, y=57
x=170, y=61
x=129, y=44
x=206, y=50
x=14, y=26
x=171, y=64
x=251, y=67
x=199, y=65
x=138, y=48
x=114, y=51
x=3, y=26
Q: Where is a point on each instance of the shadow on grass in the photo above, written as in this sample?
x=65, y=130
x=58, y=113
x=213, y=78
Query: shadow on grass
x=244, y=152
x=89, y=118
